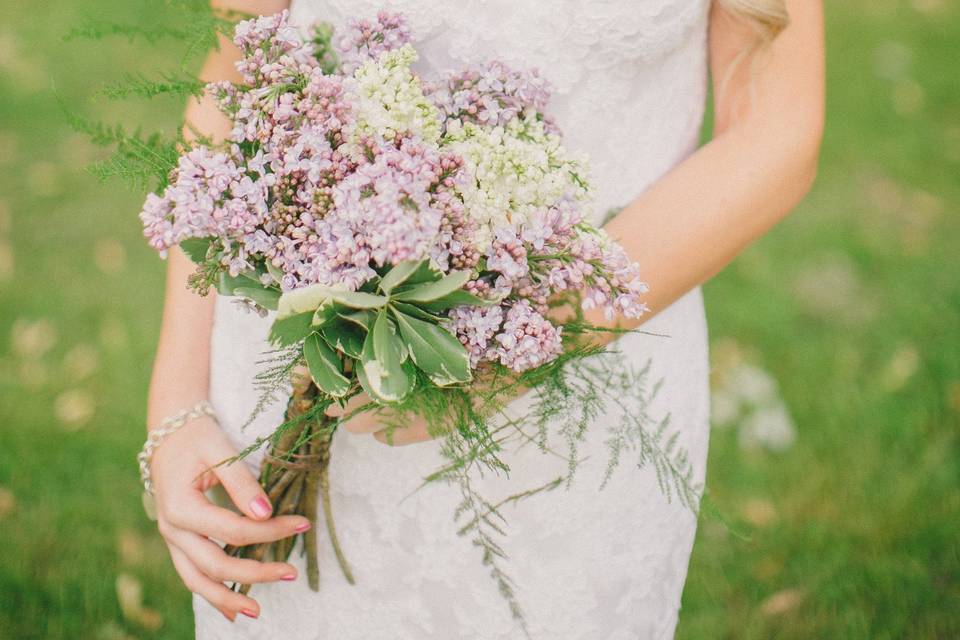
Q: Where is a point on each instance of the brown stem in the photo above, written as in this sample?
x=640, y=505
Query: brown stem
x=279, y=488
x=297, y=489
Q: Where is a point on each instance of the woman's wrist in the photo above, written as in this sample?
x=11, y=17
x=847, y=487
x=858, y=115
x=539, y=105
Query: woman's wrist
x=167, y=427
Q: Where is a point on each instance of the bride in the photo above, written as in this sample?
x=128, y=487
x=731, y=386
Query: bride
x=629, y=83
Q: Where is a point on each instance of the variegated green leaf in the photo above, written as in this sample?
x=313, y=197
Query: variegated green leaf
x=326, y=312
x=344, y=336
x=435, y=351
x=386, y=343
x=196, y=248
x=364, y=318
x=358, y=299
x=430, y=291
x=308, y=298
x=266, y=298
x=386, y=383
x=325, y=367
x=399, y=274
x=415, y=311
x=291, y=329
x=455, y=299
x=275, y=272
x=227, y=284
x=428, y=271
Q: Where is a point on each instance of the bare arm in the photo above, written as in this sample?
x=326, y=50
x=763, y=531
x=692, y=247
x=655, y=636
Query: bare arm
x=759, y=165
x=187, y=520
x=181, y=369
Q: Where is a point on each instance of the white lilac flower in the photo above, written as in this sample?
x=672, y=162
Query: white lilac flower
x=390, y=103
x=520, y=169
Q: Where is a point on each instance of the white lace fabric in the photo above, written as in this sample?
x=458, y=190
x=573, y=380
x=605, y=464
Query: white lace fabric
x=629, y=86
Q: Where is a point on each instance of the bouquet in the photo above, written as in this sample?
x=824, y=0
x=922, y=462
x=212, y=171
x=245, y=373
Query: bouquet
x=415, y=239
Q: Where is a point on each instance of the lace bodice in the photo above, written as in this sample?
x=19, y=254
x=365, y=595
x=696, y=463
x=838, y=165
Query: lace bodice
x=629, y=82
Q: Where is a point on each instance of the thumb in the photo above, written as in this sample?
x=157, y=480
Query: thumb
x=240, y=484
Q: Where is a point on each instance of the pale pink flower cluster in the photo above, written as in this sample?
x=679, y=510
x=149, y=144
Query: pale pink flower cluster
x=210, y=197
x=309, y=188
x=364, y=40
x=513, y=334
x=491, y=94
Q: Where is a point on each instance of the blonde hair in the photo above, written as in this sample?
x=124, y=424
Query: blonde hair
x=768, y=16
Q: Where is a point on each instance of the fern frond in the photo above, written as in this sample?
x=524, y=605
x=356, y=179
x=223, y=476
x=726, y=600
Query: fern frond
x=143, y=87
x=99, y=30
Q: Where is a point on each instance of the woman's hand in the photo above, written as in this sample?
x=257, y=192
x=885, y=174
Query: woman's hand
x=183, y=467
x=382, y=423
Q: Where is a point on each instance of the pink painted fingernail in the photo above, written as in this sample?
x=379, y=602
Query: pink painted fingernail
x=302, y=527
x=290, y=577
x=249, y=614
x=261, y=508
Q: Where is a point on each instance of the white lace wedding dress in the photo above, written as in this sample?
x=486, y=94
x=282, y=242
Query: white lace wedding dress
x=629, y=82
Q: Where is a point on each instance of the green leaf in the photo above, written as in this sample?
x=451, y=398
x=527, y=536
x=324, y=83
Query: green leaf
x=435, y=351
x=301, y=300
x=228, y=285
x=326, y=312
x=275, y=272
x=196, y=248
x=426, y=272
x=415, y=311
x=358, y=299
x=291, y=329
x=455, y=299
x=387, y=347
x=430, y=291
x=399, y=274
x=266, y=298
x=325, y=367
x=383, y=375
x=344, y=336
x=363, y=319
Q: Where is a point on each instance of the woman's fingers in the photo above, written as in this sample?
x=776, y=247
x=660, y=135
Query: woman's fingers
x=195, y=513
x=227, y=602
x=241, y=485
x=218, y=566
x=398, y=436
x=367, y=422
x=354, y=403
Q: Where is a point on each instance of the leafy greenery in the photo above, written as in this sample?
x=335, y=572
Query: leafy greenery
x=851, y=533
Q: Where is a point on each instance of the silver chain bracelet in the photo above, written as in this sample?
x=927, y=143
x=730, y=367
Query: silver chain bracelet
x=165, y=428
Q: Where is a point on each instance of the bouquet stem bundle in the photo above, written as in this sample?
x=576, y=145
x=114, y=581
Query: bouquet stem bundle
x=296, y=475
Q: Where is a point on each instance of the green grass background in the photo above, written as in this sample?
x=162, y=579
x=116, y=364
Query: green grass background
x=852, y=305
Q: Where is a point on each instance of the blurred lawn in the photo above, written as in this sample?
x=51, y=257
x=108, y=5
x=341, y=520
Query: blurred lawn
x=852, y=305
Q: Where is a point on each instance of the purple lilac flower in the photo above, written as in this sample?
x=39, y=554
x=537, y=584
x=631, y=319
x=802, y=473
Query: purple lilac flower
x=528, y=339
x=508, y=255
x=210, y=196
x=274, y=52
x=388, y=203
x=475, y=327
x=365, y=40
x=491, y=94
